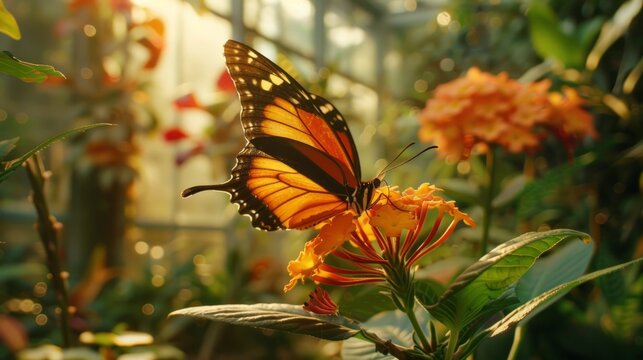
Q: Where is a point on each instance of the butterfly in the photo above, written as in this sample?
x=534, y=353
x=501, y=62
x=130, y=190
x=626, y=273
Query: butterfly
x=299, y=166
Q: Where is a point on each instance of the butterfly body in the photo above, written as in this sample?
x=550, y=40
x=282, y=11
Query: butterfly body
x=300, y=165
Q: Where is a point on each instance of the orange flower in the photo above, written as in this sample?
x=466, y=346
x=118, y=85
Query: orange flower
x=393, y=220
x=482, y=108
x=376, y=243
x=332, y=235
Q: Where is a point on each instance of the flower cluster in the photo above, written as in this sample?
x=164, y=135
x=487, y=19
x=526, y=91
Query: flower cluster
x=382, y=244
x=483, y=109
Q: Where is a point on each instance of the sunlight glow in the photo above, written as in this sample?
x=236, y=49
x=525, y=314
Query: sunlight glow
x=447, y=64
x=299, y=9
x=89, y=30
x=41, y=319
x=141, y=247
x=443, y=18
x=346, y=36
x=157, y=252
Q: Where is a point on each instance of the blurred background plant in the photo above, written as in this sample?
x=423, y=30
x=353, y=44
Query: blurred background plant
x=135, y=251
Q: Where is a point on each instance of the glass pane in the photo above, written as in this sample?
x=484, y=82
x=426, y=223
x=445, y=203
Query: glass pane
x=297, y=29
x=220, y=6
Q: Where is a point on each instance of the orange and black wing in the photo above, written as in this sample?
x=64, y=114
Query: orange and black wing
x=300, y=165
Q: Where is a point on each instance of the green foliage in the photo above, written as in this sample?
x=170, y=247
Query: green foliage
x=25, y=71
x=567, y=262
x=282, y=317
x=613, y=29
x=8, y=24
x=362, y=302
x=7, y=167
x=547, y=297
x=493, y=276
x=551, y=41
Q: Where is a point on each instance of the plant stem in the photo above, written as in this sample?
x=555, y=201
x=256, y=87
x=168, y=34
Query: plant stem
x=515, y=346
x=386, y=347
x=418, y=329
x=488, y=208
x=453, y=341
x=49, y=230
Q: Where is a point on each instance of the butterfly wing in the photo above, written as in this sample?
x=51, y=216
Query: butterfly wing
x=275, y=105
x=275, y=195
x=300, y=163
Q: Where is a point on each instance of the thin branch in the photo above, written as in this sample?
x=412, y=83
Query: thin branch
x=49, y=230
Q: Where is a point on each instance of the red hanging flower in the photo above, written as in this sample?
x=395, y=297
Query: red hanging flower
x=320, y=302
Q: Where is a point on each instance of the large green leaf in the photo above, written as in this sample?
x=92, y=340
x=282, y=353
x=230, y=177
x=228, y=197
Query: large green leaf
x=362, y=302
x=281, y=317
x=26, y=71
x=550, y=296
x=8, y=24
x=493, y=277
x=548, y=38
x=568, y=262
x=6, y=168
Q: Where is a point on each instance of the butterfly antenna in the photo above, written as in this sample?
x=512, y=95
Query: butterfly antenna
x=389, y=168
x=386, y=168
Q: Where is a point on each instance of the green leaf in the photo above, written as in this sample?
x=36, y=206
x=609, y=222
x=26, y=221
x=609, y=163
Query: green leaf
x=510, y=191
x=25, y=71
x=10, y=166
x=281, y=317
x=548, y=38
x=391, y=326
x=362, y=302
x=428, y=291
x=8, y=24
x=588, y=32
x=493, y=276
x=550, y=296
x=536, y=192
x=612, y=30
x=7, y=145
x=567, y=262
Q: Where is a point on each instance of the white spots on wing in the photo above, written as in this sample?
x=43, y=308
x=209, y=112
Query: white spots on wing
x=241, y=80
x=236, y=68
x=250, y=60
x=276, y=79
x=266, y=85
x=252, y=54
x=326, y=108
x=284, y=77
x=248, y=93
x=294, y=101
x=304, y=95
x=254, y=82
x=313, y=96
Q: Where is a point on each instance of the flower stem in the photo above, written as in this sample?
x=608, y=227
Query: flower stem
x=453, y=341
x=49, y=231
x=385, y=347
x=418, y=329
x=488, y=208
x=515, y=346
